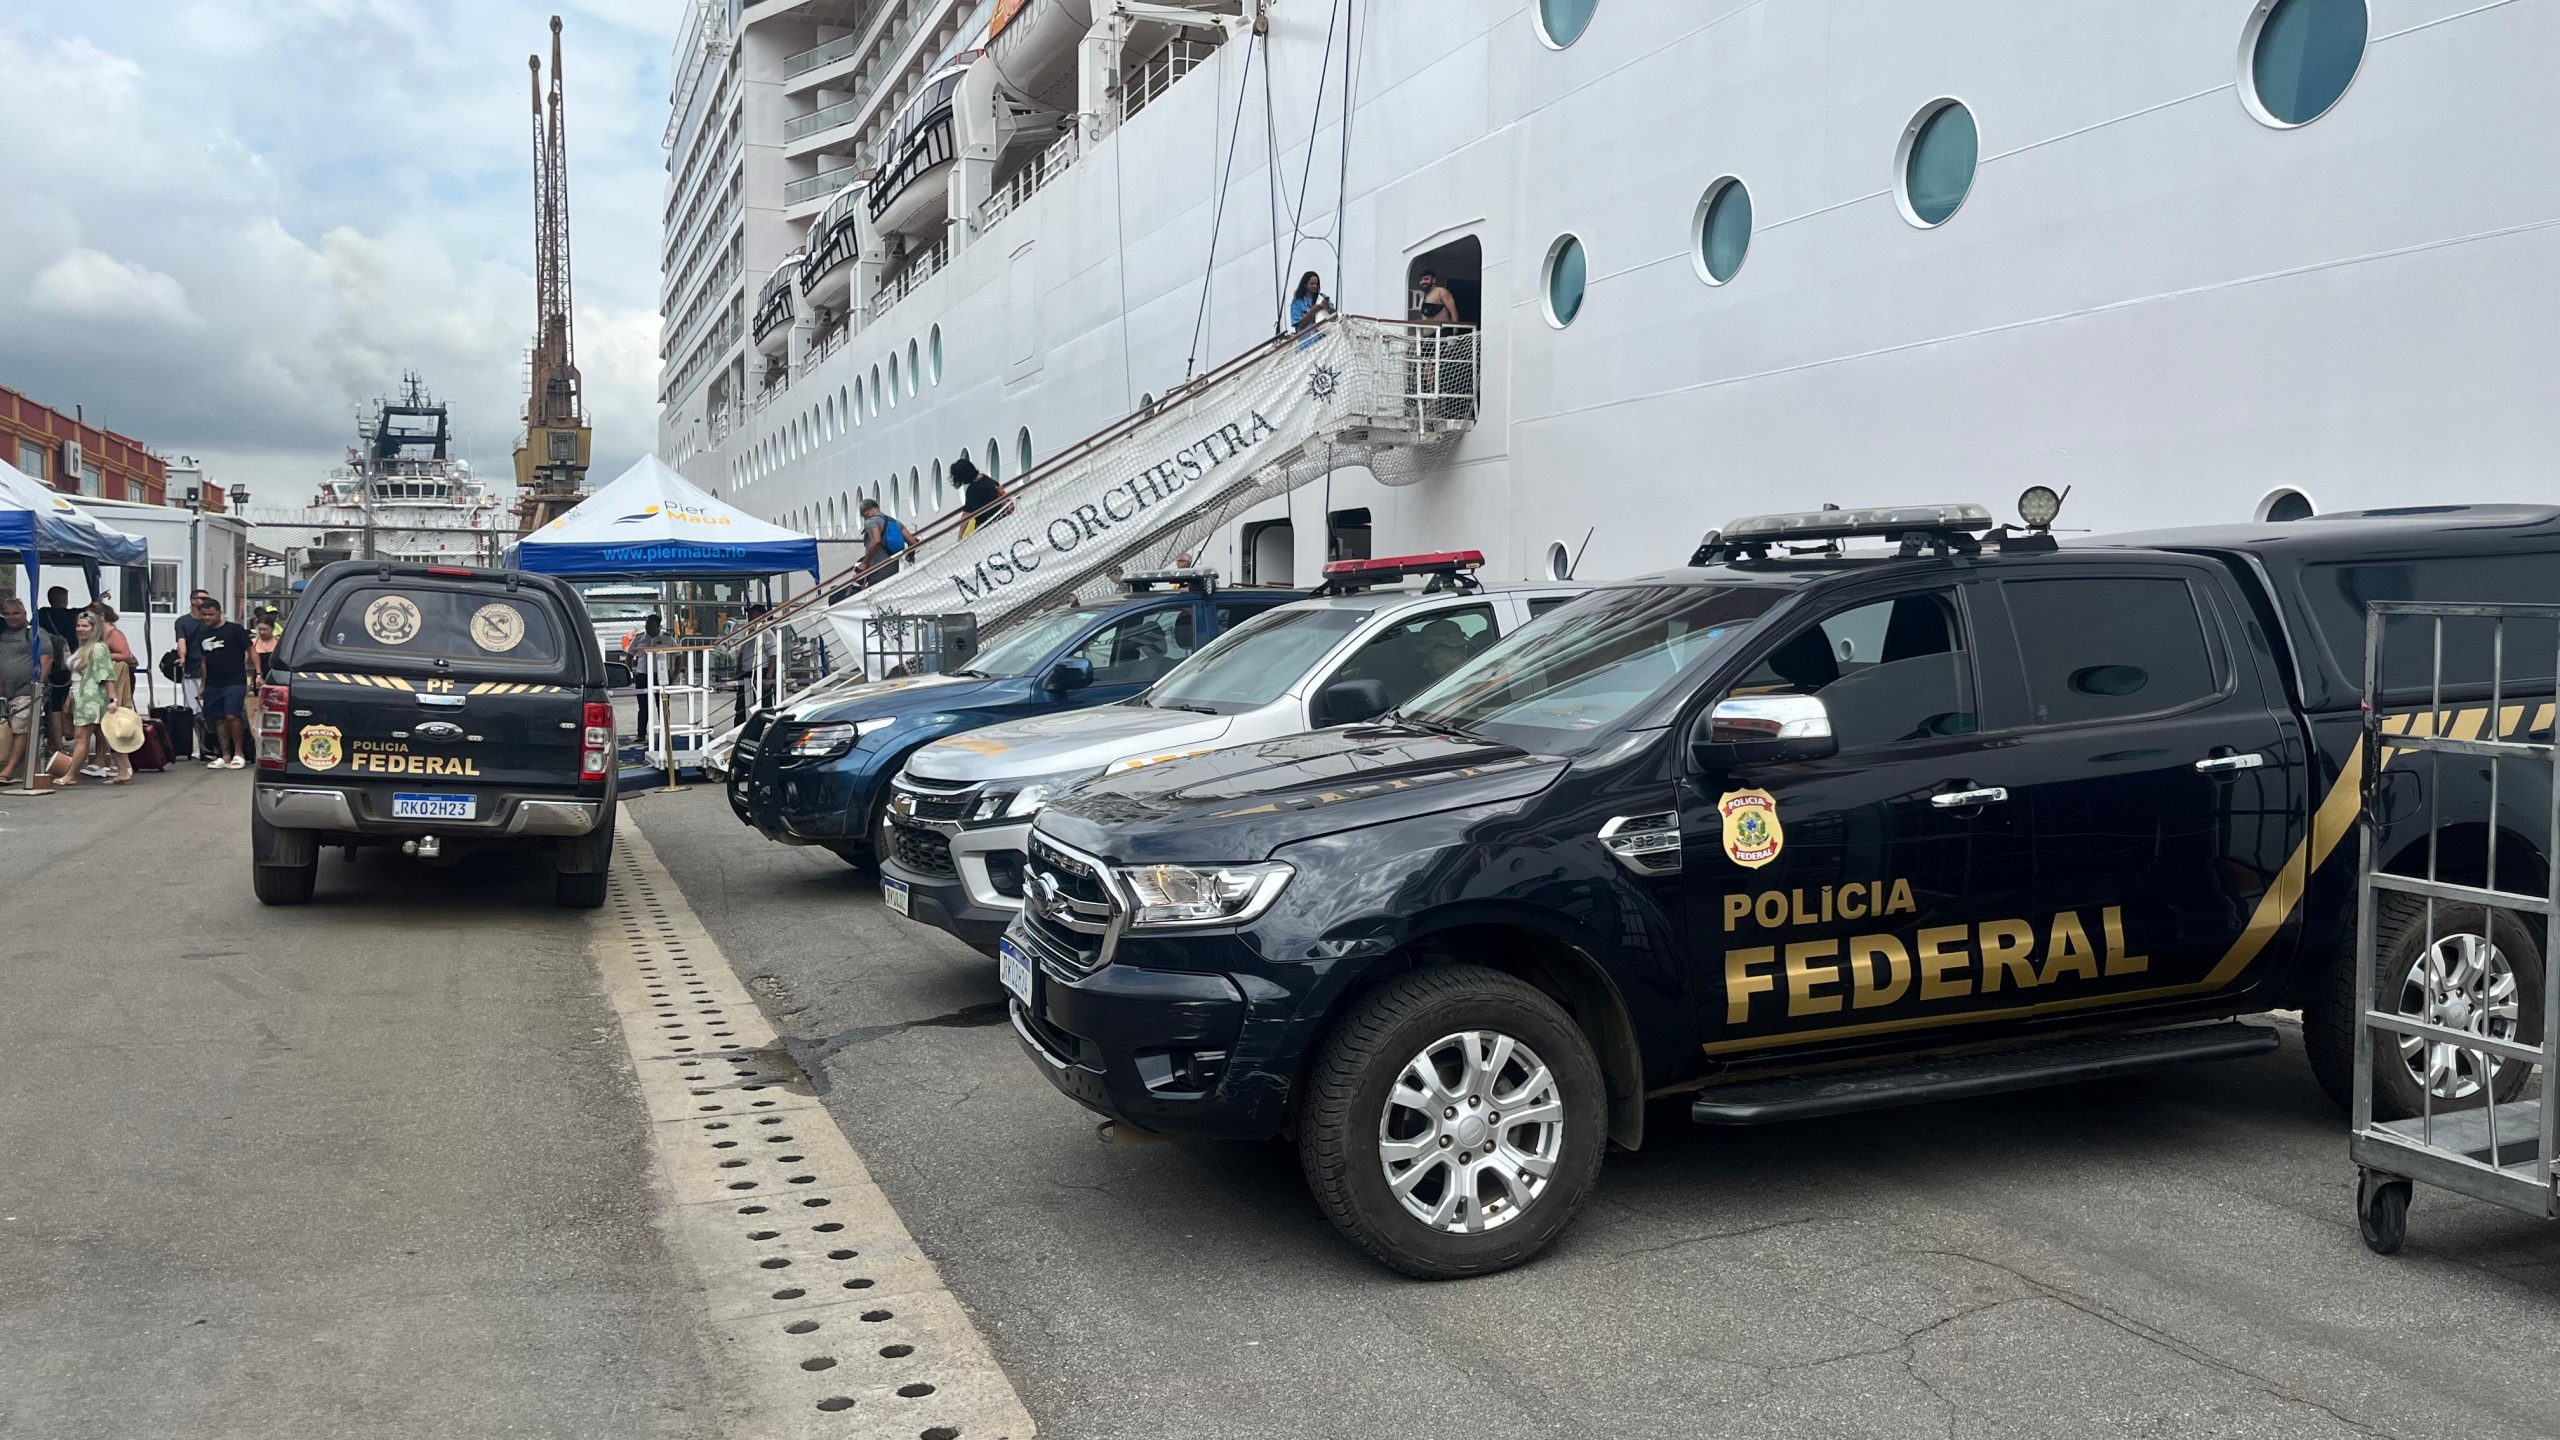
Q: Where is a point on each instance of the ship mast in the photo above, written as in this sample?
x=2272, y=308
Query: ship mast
x=551, y=462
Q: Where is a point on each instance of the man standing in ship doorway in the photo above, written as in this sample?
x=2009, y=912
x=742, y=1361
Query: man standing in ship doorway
x=1450, y=370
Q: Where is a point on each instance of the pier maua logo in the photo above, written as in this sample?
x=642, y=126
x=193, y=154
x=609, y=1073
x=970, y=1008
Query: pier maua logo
x=688, y=514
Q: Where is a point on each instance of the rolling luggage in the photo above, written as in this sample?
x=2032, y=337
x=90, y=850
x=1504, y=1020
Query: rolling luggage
x=155, y=753
x=178, y=730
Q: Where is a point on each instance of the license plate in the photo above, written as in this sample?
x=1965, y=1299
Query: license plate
x=435, y=807
x=1013, y=966
x=893, y=893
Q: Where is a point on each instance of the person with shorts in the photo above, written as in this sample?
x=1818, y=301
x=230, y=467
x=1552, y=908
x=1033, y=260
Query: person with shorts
x=223, y=649
x=24, y=652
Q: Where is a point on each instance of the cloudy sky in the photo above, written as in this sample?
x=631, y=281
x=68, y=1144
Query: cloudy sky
x=225, y=223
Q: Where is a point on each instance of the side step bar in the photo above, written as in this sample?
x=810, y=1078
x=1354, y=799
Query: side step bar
x=2098, y=1057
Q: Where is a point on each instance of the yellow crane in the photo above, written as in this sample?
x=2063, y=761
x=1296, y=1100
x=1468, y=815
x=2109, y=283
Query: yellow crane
x=551, y=459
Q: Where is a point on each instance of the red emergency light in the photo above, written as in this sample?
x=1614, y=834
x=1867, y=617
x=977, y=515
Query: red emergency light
x=1343, y=576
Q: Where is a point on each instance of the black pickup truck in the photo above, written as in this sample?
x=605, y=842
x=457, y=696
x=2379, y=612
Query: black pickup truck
x=1800, y=828
x=440, y=709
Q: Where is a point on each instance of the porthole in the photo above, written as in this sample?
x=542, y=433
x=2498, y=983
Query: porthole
x=1561, y=22
x=915, y=372
x=1559, y=562
x=1940, y=149
x=893, y=379
x=2297, y=57
x=1566, y=272
x=2283, y=505
x=848, y=406
x=933, y=350
x=939, y=492
x=1022, y=451
x=995, y=461
x=875, y=392
x=915, y=490
x=1723, y=230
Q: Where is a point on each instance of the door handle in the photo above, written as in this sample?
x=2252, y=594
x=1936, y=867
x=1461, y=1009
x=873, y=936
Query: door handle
x=1961, y=799
x=2220, y=764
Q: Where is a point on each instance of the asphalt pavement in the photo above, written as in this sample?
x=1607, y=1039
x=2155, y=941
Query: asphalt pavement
x=375, y=1167
x=2164, y=1256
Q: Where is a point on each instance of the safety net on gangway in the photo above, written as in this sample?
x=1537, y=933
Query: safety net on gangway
x=1148, y=491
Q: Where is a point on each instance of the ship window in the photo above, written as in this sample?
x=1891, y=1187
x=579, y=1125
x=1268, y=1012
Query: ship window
x=1724, y=230
x=893, y=379
x=875, y=392
x=915, y=372
x=1939, y=152
x=938, y=491
x=933, y=349
x=848, y=406
x=1561, y=22
x=995, y=461
x=1022, y=451
x=1566, y=273
x=1559, y=562
x=2298, y=56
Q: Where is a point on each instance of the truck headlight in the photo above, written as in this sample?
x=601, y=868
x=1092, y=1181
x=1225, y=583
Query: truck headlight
x=1173, y=897
x=1026, y=797
x=825, y=742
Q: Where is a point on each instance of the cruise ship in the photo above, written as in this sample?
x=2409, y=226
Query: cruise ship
x=2205, y=261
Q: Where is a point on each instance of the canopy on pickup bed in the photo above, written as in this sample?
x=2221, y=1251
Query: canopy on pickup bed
x=652, y=522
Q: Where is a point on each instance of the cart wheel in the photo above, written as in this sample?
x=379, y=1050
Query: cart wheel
x=2382, y=1211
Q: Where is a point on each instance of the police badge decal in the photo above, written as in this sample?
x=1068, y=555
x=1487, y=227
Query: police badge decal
x=1752, y=835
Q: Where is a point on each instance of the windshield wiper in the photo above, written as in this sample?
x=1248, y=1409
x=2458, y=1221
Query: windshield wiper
x=1194, y=709
x=1436, y=727
x=970, y=674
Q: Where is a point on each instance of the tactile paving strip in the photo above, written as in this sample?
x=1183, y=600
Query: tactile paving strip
x=819, y=1314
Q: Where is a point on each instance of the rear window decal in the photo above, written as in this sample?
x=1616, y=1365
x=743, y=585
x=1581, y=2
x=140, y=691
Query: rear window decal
x=392, y=620
x=497, y=628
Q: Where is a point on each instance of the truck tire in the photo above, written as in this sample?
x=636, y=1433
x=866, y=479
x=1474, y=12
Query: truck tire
x=1401, y=1134
x=284, y=884
x=2480, y=955
x=579, y=890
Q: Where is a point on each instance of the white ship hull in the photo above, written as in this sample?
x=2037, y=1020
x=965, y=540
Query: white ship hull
x=2150, y=296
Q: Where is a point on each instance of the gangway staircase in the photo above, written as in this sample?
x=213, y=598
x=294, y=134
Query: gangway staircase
x=1147, y=491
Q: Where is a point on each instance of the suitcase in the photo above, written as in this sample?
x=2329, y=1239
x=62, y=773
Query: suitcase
x=154, y=754
x=178, y=730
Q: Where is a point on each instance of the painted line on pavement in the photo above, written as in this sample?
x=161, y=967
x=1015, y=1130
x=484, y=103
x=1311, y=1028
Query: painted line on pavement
x=817, y=1314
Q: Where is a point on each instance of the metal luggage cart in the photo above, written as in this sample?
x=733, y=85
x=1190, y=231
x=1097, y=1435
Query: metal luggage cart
x=2475, y=1143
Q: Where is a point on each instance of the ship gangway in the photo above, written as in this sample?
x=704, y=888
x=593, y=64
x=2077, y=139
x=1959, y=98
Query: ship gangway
x=1145, y=492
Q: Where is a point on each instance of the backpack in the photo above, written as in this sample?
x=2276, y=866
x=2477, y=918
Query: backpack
x=893, y=538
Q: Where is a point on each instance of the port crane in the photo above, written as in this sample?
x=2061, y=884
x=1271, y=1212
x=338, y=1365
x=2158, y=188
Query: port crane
x=551, y=459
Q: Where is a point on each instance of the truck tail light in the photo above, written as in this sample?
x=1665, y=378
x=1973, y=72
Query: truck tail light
x=273, y=704
x=595, y=754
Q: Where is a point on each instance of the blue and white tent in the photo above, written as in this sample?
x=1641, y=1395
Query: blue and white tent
x=652, y=522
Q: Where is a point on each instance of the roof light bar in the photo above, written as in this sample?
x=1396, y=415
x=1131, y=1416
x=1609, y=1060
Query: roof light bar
x=1752, y=535
x=1447, y=568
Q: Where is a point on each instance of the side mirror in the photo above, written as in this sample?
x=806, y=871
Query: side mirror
x=1761, y=730
x=1073, y=673
x=1348, y=702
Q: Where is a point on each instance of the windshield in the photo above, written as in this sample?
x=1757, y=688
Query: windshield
x=620, y=609
x=1027, y=644
x=1255, y=663
x=1553, y=687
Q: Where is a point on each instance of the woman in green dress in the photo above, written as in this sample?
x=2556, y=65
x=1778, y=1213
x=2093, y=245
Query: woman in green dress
x=93, y=674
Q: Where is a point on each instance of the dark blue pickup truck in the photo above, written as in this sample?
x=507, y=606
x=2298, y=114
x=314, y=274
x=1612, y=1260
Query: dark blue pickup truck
x=816, y=772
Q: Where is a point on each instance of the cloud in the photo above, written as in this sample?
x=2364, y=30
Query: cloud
x=93, y=285
x=230, y=222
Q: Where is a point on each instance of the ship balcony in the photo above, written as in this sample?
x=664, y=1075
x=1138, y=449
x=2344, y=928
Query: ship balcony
x=807, y=196
x=827, y=129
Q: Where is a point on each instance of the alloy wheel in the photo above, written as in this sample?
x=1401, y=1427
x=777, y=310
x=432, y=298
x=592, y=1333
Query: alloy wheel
x=1471, y=1133
x=2463, y=982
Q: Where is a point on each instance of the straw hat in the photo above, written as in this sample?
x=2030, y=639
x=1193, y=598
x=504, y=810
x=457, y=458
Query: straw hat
x=122, y=729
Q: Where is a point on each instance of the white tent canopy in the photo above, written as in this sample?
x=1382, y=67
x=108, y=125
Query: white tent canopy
x=651, y=521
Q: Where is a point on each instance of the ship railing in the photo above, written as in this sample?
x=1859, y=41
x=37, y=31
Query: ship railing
x=826, y=182
x=1157, y=72
x=1029, y=180
x=925, y=262
x=1352, y=390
